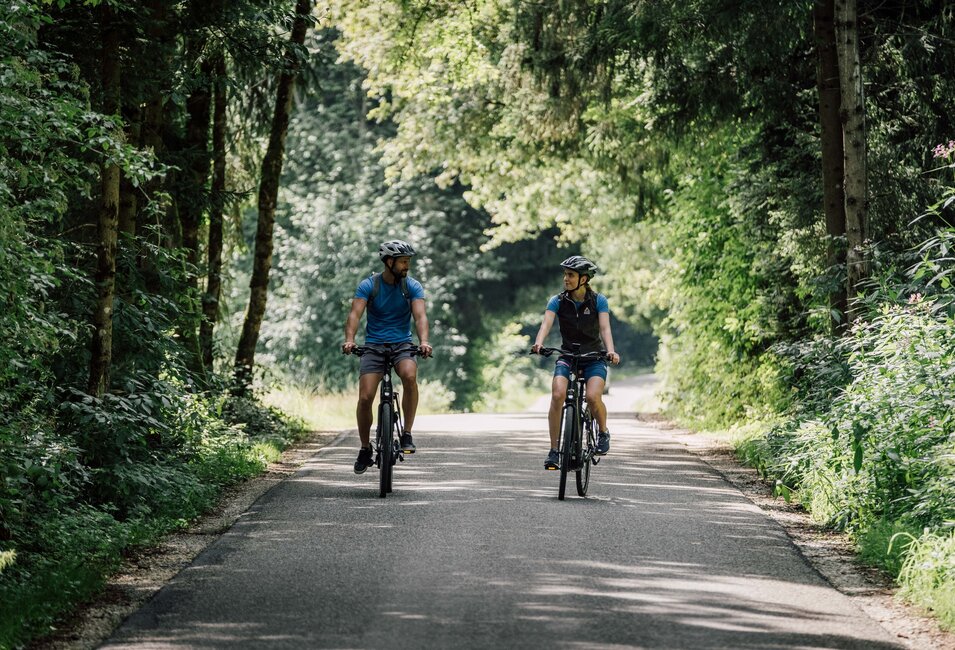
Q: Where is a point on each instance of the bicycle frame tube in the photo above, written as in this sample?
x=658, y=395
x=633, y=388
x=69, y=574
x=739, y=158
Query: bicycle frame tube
x=577, y=388
x=576, y=391
x=387, y=396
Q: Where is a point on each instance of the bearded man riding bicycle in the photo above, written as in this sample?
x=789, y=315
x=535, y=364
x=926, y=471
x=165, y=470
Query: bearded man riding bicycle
x=584, y=318
x=392, y=299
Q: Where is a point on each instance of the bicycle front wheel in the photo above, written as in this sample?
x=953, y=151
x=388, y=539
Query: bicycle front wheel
x=385, y=450
x=585, y=451
x=567, y=435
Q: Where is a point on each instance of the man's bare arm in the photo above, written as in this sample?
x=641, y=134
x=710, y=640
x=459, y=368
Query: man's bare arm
x=351, y=323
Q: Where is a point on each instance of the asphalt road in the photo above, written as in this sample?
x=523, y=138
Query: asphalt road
x=473, y=550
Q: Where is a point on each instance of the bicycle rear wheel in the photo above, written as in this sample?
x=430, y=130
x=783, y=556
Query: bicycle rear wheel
x=385, y=450
x=567, y=435
x=585, y=451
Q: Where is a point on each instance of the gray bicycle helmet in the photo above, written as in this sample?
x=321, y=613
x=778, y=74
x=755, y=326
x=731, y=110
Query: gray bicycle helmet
x=395, y=248
x=581, y=265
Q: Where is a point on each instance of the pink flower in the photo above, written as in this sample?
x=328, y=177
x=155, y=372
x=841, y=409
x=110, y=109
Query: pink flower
x=915, y=298
x=944, y=150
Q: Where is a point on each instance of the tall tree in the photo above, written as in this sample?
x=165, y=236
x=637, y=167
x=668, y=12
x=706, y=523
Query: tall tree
x=830, y=123
x=210, y=299
x=101, y=348
x=192, y=205
x=268, y=196
x=852, y=112
x=198, y=108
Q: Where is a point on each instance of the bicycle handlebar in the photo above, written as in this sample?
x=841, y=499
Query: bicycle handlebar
x=546, y=352
x=360, y=350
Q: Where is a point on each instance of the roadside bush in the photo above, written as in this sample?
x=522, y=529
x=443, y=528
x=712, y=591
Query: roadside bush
x=884, y=449
x=928, y=574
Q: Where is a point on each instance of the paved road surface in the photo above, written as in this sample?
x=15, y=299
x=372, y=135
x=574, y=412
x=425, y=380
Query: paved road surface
x=473, y=550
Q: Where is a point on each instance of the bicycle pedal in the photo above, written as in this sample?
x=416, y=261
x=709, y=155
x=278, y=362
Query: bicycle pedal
x=407, y=451
x=401, y=458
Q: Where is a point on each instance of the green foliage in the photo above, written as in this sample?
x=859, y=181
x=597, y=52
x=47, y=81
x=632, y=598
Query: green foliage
x=160, y=458
x=881, y=449
x=928, y=574
x=508, y=372
x=885, y=544
x=722, y=307
x=337, y=208
x=62, y=562
x=83, y=479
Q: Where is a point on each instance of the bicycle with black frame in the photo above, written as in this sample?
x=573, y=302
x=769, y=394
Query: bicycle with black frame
x=389, y=425
x=578, y=426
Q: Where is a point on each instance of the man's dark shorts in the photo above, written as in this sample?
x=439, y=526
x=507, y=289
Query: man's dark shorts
x=374, y=362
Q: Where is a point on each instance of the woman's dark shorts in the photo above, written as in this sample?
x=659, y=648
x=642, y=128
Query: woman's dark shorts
x=595, y=368
x=374, y=362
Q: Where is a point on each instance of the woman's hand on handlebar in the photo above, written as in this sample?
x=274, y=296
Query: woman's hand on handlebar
x=613, y=358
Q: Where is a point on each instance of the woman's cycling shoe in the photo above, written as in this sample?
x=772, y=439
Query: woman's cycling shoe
x=553, y=460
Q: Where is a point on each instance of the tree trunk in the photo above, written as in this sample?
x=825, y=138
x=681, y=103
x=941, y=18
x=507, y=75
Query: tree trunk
x=101, y=347
x=128, y=202
x=268, y=194
x=210, y=300
x=194, y=197
x=149, y=218
x=827, y=84
x=198, y=107
x=854, y=145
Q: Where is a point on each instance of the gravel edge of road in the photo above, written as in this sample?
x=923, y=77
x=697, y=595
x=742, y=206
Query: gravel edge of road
x=830, y=553
x=145, y=572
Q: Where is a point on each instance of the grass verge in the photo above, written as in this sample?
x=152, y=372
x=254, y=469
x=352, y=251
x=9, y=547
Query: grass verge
x=62, y=555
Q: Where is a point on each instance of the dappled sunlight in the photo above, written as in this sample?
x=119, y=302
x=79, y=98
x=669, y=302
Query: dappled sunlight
x=473, y=549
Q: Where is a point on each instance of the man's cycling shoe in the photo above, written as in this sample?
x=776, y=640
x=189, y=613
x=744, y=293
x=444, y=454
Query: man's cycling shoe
x=407, y=444
x=603, y=443
x=553, y=460
x=364, y=461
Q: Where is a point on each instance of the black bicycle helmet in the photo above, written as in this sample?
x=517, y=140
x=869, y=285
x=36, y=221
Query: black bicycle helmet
x=395, y=248
x=581, y=265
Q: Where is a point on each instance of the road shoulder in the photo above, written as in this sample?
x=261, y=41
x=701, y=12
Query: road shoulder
x=830, y=553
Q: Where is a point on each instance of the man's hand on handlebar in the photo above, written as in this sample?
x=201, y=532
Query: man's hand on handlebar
x=425, y=350
x=348, y=347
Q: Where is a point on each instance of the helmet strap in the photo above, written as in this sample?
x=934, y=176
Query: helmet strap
x=388, y=269
x=580, y=283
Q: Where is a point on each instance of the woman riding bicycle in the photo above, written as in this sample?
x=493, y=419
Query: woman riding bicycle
x=584, y=319
x=392, y=299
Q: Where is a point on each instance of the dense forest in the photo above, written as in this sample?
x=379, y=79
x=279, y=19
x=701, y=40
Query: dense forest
x=190, y=191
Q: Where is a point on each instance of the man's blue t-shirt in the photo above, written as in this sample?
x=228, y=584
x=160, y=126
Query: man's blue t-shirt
x=389, y=315
x=603, y=307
